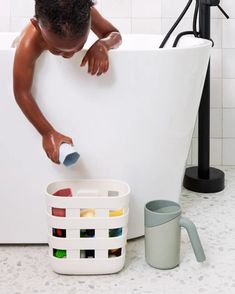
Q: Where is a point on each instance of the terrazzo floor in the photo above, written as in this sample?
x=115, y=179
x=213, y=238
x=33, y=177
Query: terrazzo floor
x=25, y=269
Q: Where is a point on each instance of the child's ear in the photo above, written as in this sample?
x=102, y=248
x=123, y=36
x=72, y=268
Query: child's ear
x=35, y=23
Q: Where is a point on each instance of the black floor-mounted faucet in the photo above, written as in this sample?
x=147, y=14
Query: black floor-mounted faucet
x=201, y=178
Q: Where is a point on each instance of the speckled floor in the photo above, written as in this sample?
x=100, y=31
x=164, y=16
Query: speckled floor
x=25, y=269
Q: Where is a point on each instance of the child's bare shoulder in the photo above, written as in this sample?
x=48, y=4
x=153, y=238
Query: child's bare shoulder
x=29, y=41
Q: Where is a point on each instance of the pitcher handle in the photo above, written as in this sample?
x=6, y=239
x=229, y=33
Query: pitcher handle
x=194, y=238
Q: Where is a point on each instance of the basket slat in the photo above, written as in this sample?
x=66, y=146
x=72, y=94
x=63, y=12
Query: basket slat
x=87, y=222
x=88, y=243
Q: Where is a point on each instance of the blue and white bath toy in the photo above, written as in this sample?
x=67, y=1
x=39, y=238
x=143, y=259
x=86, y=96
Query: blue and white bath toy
x=68, y=155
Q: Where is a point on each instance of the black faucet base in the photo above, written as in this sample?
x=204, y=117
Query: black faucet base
x=214, y=183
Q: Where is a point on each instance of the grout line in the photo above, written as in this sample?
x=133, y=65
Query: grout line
x=222, y=96
x=10, y=20
x=131, y=16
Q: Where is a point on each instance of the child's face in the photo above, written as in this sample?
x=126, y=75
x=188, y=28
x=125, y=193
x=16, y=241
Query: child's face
x=65, y=47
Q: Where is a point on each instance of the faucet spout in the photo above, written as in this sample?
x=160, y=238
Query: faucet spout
x=214, y=3
x=224, y=13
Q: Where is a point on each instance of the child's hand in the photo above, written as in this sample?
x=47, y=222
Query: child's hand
x=97, y=58
x=51, y=144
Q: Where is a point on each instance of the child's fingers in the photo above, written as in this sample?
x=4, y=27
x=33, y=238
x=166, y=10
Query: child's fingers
x=90, y=65
x=69, y=141
x=95, y=67
x=101, y=69
x=84, y=60
x=106, y=66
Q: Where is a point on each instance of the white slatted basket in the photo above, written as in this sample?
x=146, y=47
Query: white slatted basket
x=88, y=231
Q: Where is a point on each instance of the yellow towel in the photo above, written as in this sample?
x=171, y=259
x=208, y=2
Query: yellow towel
x=87, y=212
x=113, y=213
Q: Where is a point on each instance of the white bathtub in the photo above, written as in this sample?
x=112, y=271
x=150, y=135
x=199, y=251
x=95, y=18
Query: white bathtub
x=134, y=124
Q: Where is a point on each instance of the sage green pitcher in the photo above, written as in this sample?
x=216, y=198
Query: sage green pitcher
x=163, y=224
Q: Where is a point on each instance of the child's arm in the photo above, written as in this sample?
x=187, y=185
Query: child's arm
x=109, y=38
x=107, y=33
x=27, y=52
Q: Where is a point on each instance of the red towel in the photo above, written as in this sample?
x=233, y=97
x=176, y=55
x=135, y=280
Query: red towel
x=63, y=193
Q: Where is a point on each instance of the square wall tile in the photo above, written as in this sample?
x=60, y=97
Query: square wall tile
x=22, y=8
x=229, y=93
x=146, y=8
x=146, y=25
x=122, y=24
x=216, y=93
x=116, y=8
x=18, y=23
x=4, y=23
x=5, y=8
x=216, y=63
x=229, y=33
x=216, y=32
x=174, y=8
x=229, y=123
x=98, y=5
x=228, y=152
x=216, y=123
x=184, y=25
x=229, y=7
x=216, y=13
x=229, y=63
x=216, y=151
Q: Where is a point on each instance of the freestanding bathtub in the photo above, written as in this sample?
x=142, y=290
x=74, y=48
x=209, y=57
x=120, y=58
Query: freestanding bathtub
x=133, y=124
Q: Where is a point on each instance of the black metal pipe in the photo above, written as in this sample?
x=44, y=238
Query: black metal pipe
x=179, y=36
x=204, y=109
x=195, y=17
x=176, y=24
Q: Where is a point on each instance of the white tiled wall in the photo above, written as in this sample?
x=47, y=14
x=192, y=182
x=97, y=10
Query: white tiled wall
x=156, y=16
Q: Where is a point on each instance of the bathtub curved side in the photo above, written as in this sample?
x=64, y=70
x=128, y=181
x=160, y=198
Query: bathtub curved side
x=133, y=124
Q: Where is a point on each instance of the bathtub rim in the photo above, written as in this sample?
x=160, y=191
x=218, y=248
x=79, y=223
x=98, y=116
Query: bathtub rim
x=199, y=43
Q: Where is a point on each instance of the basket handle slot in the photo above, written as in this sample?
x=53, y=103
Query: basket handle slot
x=60, y=233
x=115, y=232
x=115, y=252
x=87, y=212
x=59, y=253
x=87, y=253
x=113, y=193
x=87, y=233
x=116, y=212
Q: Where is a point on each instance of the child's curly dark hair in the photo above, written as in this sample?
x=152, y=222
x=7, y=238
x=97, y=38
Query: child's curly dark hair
x=66, y=18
